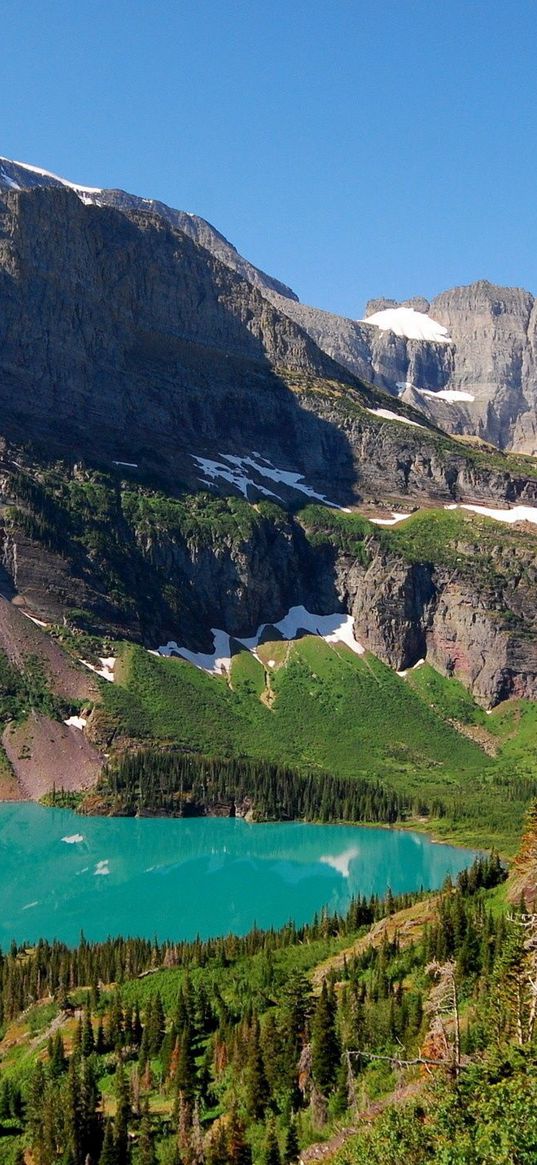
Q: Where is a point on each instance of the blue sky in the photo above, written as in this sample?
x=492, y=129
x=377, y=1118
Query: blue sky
x=353, y=148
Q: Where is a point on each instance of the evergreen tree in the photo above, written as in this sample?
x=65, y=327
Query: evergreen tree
x=256, y=1086
x=108, y=1152
x=291, y=1148
x=156, y=1026
x=185, y=1073
x=325, y=1050
x=123, y=1114
x=271, y=1155
x=87, y=1044
x=146, y=1145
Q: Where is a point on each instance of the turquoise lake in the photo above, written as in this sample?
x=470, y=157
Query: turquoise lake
x=60, y=873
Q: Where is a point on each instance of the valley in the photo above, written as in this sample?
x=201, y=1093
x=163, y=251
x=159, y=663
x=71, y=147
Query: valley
x=268, y=705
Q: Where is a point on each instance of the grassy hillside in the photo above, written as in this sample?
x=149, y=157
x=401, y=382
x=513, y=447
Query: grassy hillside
x=316, y=706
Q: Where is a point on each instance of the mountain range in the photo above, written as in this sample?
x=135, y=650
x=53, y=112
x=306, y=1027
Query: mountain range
x=467, y=359
x=188, y=454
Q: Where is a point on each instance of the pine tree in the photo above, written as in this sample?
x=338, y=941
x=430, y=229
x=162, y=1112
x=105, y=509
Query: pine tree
x=325, y=1050
x=108, y=1152
x=123, y=1114
x=58, y=1059
x=257, y=1089
x=271, y=1155
x=156, y=1026
x=291, y=1147
x=146, y=1145
x=87, y=1044
x=185, y=1073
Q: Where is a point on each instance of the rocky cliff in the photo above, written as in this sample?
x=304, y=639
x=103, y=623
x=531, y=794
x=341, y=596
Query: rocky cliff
x=165, y=414
x=123, y=560
x=486, y=375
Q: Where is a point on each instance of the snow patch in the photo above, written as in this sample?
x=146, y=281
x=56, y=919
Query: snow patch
x=238, y=470
x=55, y=177
x=390, y=521
x=76, y=722
x=12, y=186
x=337, y=628
x=517, y=514
x=413, y=325
x=106, y=670
x=451, y=395
x=419, y=663
x=387, y=415
x=216, y=662
x=73, y=839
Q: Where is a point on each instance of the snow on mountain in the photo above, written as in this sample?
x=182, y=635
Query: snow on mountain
x=387, y=415
x=413, y=325
x=6, y=163
x=239, y=470
x=451, y=395
x=337, y=628
x=515, y=514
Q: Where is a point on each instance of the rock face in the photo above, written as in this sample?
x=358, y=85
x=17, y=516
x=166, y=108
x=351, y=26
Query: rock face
x=472, y=614
x=491, y=360
x=18, y=176
x=407, y=612
x=122, y=340
x=133, y=345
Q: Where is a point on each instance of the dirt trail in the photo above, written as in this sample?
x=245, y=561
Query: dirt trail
x=324, y=1150
x=407, y=924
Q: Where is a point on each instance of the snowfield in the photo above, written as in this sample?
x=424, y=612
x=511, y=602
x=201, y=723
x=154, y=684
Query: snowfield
x=106, y=670
x=395, y=518
x=451, y=395
x=337, y=628
x=48, y=174
x=387, y=415
x=238, y=472
x=517, y=514
x=413, y=325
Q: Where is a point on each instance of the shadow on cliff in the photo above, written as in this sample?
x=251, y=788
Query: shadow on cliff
x=123, y=339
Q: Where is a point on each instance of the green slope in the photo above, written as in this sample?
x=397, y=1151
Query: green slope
x=322, y=707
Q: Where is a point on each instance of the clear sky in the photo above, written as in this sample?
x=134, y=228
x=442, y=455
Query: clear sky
x=353, y=148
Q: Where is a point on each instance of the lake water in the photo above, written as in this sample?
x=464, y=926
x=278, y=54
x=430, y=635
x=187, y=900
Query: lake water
x=60, y=873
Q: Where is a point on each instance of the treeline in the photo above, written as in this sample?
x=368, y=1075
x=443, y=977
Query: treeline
x=184, y=784
x=240, y=1060
x=52, y=969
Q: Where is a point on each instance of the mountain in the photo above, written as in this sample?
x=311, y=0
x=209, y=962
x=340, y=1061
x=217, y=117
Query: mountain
x=21, y=176
x=467, y=359
x=184, y=461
